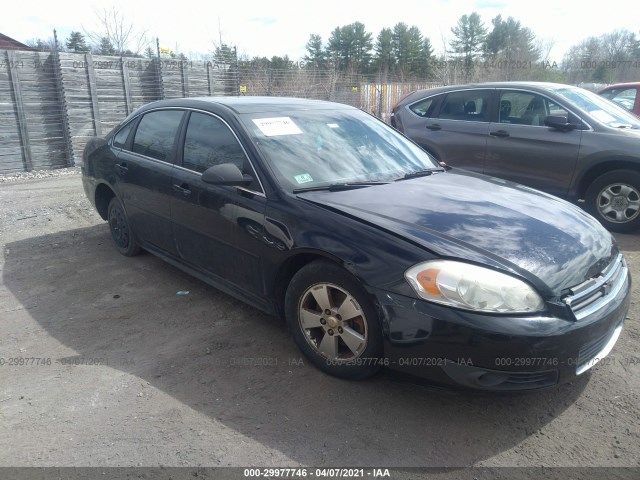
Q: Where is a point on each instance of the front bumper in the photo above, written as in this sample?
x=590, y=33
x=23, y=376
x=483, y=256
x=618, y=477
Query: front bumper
x=466, y=349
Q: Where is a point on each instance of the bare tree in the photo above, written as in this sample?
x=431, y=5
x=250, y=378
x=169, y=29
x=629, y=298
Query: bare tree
x=124, y=36
x=544, y=46
x=41, y=44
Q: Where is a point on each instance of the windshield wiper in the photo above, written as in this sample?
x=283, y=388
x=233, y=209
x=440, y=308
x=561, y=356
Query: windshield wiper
x=420, y=173
x=337, y=187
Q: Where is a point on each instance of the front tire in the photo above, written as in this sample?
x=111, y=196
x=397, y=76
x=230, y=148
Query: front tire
x=120, y=230
x=333, y=321
x=614, y=200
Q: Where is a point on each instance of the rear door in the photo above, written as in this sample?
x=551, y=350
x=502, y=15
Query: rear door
x=145, y=168
x=522, y=149
x=457, y=131
x=217, y=229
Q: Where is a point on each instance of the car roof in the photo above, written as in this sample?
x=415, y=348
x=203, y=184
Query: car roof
x=243, y=104
x=539, y=86
x=620, y=85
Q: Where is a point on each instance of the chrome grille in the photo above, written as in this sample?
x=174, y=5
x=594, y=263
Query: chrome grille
x=594, y=294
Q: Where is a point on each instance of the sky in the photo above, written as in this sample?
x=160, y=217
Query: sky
x=282, y=27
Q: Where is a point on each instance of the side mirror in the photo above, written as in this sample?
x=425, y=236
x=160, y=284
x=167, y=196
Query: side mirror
x=226, y=174
x=559, y=122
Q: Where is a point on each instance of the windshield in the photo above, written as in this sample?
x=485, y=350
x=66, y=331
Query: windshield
x=600, y=108
x=326, y=147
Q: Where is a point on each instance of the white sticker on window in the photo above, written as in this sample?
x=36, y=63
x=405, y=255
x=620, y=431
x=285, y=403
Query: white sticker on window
x=303, y=178
x=272, y=127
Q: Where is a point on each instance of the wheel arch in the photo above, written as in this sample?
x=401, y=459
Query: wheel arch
x=295, y=263
x=104, y=194
x=620, y=163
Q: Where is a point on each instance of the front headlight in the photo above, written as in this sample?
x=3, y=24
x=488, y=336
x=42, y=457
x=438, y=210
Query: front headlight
x=472, y=287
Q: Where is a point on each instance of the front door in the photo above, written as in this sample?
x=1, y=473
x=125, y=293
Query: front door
x=215, y=226
x=522, y=149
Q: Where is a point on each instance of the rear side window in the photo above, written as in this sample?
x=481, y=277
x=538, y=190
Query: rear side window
x=209, y=142
x=468, y=105
x=156, y=134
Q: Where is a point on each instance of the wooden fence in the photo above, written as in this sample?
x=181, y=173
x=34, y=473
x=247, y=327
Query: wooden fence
x=51, y=103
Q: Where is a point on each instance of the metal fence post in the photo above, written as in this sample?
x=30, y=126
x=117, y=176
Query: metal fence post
x=127, y=86
x=93, y=94
x=185, y=78
x=209, y=79
x=159, y=71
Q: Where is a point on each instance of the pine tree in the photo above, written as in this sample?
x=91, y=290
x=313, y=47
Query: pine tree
x=315, y=57
x=469, y=38
x=76, y=42
x=105, y=47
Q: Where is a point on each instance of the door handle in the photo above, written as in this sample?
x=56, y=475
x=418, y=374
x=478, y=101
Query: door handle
x=499, y=133
x=183, y=189
x=434, y=126
x=122, y=169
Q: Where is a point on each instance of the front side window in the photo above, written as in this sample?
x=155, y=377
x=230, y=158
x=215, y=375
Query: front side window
x=156, y=134
x=209, y=142
x=527, y=108
x=468, y=105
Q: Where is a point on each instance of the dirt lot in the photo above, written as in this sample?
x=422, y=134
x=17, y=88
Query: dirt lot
x=103, y=364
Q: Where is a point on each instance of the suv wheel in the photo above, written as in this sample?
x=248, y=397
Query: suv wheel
x=614, y=200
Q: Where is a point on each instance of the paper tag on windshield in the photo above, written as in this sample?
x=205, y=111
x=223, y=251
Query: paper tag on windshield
x=272, y=127
x=303, y=178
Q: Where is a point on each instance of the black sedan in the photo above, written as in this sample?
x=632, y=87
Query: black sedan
x=374, y=253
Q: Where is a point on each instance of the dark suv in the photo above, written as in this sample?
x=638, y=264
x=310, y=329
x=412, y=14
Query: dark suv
x=557, y=138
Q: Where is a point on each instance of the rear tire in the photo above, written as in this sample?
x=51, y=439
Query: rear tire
x=333, y=321
x=614, y=200
x=121, y=233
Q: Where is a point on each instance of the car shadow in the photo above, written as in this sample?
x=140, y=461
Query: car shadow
x=240, y=367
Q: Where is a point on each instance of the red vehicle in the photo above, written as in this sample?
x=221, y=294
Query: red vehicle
x=624, y=94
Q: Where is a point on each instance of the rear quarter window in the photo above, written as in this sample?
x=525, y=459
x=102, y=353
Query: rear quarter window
x=120, y=138
x=425, y=107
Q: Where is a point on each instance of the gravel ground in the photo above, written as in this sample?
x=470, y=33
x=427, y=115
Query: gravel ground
x=61, y=172
x=103, y=364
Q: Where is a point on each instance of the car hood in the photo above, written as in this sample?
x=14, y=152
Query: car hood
x=463, y=215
